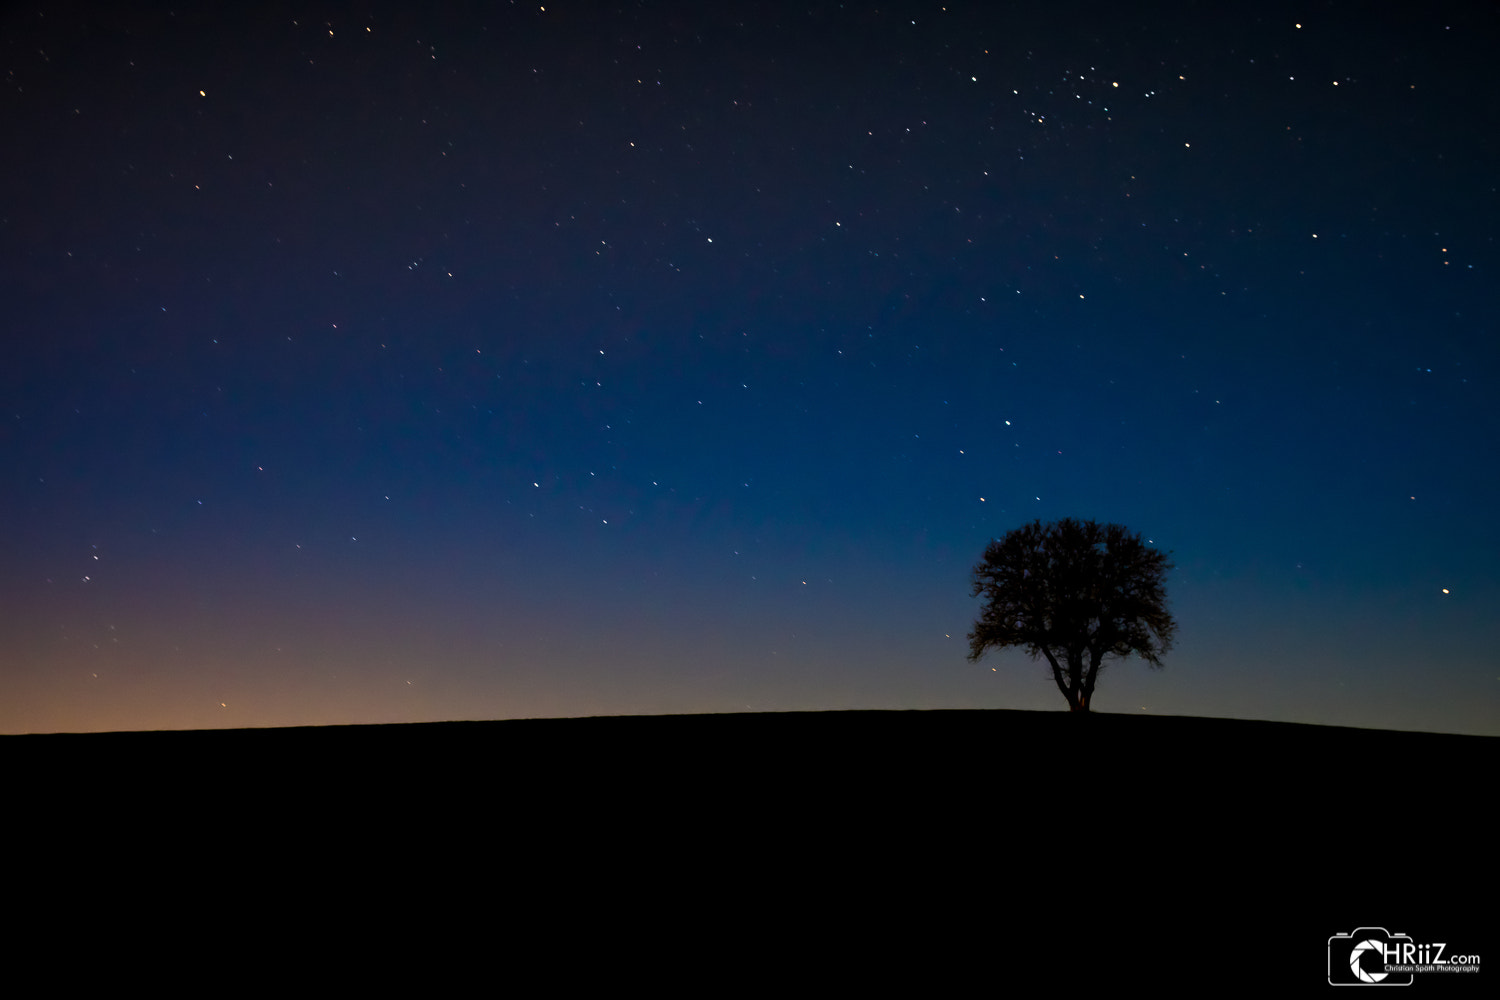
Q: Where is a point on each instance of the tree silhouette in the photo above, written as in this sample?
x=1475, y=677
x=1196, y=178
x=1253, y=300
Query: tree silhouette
x=1074, y=592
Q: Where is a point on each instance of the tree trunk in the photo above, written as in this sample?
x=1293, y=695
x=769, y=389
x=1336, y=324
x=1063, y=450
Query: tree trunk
x=1073, y=684
x=1079, y=691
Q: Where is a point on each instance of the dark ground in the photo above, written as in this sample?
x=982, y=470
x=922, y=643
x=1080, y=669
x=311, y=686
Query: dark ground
x=848, y=845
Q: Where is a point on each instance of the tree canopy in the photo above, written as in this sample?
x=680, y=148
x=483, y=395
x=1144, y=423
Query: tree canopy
x=1075, y=593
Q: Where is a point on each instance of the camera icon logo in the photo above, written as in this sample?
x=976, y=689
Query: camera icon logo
x=1359, y=958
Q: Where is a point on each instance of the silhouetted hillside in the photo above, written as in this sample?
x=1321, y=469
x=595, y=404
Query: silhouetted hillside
x=969, y=832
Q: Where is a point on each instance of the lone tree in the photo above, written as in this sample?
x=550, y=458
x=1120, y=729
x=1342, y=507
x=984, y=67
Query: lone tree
x=1074, y=593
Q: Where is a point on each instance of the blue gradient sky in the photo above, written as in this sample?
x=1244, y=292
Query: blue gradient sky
x=381, y=366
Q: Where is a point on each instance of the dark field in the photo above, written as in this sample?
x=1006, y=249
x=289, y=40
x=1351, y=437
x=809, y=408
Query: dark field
x=1027, y=845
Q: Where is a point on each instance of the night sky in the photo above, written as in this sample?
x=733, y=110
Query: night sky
x=367, y=364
